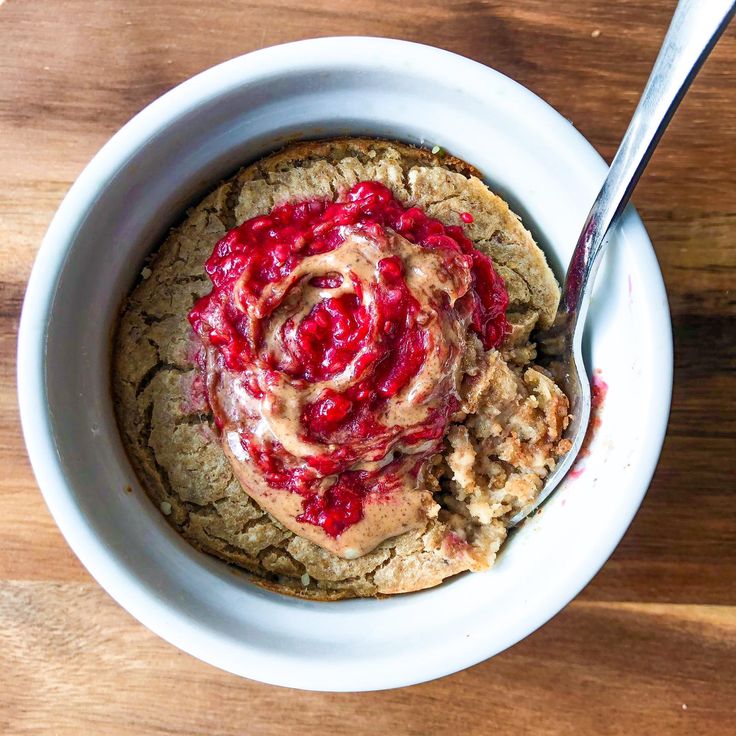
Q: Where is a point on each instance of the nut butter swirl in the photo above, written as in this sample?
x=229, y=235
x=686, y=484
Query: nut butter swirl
x=333, y=338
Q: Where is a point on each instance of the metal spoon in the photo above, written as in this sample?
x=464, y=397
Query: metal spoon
x=693, y=32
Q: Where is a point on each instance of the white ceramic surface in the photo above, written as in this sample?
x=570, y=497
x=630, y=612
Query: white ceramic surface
x=122, y=204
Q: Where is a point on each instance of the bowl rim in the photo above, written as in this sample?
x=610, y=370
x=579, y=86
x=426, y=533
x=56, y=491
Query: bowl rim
x=174, y=625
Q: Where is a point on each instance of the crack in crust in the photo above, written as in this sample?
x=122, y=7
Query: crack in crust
x=167, y=426
x=152, y=372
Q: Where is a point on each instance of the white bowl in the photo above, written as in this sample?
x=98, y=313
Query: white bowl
x=120, y=207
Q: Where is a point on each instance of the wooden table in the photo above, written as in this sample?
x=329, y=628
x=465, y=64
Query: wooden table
x=649, y=647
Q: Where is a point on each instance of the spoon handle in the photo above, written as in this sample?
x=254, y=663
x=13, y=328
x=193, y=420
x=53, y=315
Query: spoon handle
x=693, y=32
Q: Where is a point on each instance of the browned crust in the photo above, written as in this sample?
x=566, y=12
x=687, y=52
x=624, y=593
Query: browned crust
x=330, y=148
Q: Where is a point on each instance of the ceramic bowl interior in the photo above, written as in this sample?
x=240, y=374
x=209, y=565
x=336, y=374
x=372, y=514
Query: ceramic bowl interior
x=138, y=186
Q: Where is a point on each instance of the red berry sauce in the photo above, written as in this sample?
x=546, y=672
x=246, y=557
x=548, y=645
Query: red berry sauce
x=333, y=351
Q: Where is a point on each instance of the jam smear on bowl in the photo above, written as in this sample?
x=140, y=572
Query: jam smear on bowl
x=333, y=338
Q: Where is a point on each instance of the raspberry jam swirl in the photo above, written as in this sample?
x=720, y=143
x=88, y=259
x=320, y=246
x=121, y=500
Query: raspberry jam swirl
x=333, y=339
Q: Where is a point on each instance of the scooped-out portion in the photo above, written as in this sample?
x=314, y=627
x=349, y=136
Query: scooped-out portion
x=326, y=374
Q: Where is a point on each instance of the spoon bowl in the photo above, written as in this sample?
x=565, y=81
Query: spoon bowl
x=695, y=28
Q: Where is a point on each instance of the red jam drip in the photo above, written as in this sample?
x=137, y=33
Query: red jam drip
x=250, y=270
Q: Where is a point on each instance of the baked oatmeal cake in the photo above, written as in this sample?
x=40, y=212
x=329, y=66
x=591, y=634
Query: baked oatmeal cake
x=325, y=375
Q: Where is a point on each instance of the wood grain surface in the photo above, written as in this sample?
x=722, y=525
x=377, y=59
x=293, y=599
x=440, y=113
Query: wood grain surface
x=649, y=647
